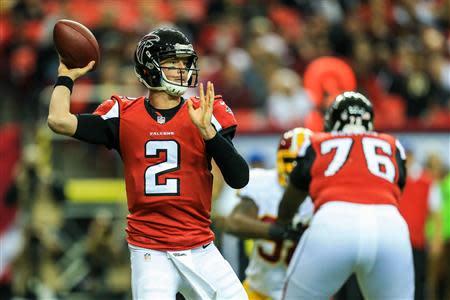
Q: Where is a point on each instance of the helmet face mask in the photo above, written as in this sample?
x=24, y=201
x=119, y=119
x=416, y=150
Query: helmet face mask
x=160, y=45
x=350, y=112
x=290, y=143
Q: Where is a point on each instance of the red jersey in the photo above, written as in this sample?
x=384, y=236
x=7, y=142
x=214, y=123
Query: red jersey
x=167, y=173
x=358, y=168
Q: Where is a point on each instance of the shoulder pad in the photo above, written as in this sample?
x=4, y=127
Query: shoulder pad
x=110, y=106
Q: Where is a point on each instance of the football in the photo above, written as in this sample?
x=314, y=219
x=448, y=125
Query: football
x=75, y=43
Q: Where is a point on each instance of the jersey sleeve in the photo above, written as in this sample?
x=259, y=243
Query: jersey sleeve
x=223, y=118
x=102, y=126
x=108, y=109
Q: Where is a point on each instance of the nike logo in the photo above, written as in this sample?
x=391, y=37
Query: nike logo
x=204, y=246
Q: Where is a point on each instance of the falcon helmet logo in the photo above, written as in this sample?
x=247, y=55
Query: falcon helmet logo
x=144, y=45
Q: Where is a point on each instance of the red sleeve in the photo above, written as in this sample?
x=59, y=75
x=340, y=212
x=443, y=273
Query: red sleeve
x=223, y=116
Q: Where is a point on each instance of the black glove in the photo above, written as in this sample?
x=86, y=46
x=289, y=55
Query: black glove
x=279, y=232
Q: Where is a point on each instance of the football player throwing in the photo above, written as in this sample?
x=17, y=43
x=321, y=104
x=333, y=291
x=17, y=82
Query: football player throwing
x=166, y=143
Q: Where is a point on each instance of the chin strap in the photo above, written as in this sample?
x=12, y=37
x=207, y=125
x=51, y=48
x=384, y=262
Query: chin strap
x=166, y=86
x=172, y=89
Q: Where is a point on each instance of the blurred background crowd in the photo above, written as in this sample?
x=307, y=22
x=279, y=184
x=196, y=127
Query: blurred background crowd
x=277, y=63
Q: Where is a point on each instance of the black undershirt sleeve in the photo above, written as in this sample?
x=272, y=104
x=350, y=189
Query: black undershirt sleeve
x=401, y=170
x=301, y=174
x=95, y=130
x=232, y=165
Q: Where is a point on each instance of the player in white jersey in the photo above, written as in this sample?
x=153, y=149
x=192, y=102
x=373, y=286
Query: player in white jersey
x=254, y=217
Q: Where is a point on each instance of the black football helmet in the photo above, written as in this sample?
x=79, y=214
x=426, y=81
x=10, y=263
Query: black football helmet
x=159, y=45
x=350, y=112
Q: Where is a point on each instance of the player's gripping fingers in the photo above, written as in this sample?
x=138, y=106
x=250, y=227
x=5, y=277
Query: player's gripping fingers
x=89, y=66
x=84, y=70
x=76, y=72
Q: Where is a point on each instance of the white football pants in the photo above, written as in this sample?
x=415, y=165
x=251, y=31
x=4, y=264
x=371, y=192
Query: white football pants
x=371, y=241
x=200, y=273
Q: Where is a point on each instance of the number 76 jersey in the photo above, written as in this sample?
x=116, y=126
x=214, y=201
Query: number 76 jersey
x=366, y=168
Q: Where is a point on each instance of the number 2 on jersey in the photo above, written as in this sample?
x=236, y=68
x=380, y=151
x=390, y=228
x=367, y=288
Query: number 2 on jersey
x=378, y=164
x=171, y=186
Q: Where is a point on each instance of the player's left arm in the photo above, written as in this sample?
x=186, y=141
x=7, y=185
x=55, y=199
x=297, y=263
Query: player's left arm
x=243, y=222
x=232, y=165
x=298, y=186
x=291, y=200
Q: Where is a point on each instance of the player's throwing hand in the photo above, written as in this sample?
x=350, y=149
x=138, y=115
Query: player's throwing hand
x=201, y=116
x=74, y=73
